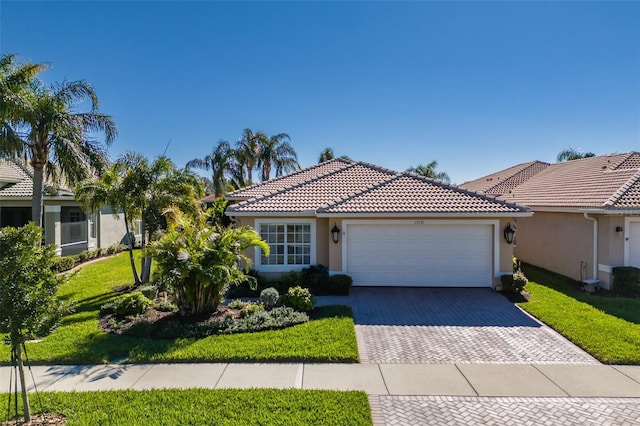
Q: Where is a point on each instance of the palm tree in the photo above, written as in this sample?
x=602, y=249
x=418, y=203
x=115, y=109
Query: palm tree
x=15, y=79
x=109, y=189
x=276, y=151
x=248, y=152
x=571, y=154
x=429, y=171
x=327, y=154
x=220, y=164
x=55, y=139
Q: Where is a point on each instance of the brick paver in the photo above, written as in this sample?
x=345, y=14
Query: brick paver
x=470, y=411
x=451, y=325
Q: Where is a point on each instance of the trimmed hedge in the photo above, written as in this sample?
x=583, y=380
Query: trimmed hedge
x=626, y=281
x=339, y=284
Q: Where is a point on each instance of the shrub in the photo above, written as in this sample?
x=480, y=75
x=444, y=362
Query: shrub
x=250, y=308
x=62, y=263
x=130, y=304
x=626, y=281
x=83, y=256
x=339, y=284
x=516, y=264
x=298, y=298
x=149, y=291
x=514, y=283
x=290, y=279
x=269, y=297
x=237, y=304
x=165, y=306
x=315, y=278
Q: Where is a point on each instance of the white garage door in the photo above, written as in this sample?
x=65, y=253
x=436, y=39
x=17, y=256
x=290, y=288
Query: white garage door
x=420, y=255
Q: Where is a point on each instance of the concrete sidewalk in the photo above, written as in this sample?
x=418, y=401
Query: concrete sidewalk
x=460, y=380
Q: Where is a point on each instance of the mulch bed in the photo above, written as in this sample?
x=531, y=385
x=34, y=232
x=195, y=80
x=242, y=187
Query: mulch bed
x=42, y=419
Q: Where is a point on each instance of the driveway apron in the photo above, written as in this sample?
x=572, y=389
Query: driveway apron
x=451, y=325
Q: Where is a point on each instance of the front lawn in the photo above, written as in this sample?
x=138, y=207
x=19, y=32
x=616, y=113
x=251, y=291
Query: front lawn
x=606, y=327
x=79, y=339
x=207, y=407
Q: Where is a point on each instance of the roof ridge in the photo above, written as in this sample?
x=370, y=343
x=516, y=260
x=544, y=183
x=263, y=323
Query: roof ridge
x=456, y=188
x=624, y=188
x=627, y=155
x=369, y=188
x=529, y=165
x=315, y=166
x=295, y=185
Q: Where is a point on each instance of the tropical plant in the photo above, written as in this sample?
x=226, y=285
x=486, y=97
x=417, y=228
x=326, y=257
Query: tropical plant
x=247, y=152
x=571, y=154
x=198, y=260
x=28, y=285
x=220, y=164
x=327, y=154
x=276, y=151
x=429, y=171
x=15, y=79
x=56, y=139
x=109, y=189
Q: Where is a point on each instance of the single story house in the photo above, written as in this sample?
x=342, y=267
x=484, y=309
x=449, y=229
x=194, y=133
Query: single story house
x=586, y=213
x=381, y=227
x=64, y=222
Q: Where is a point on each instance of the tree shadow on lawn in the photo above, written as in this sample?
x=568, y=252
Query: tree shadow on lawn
x=625, y=308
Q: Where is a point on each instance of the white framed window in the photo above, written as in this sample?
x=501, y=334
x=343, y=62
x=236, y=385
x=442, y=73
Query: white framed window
x=291, y=243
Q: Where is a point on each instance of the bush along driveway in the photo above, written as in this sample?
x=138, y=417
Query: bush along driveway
x=606, y=327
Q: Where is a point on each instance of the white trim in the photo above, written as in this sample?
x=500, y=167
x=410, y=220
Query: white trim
x=426, y=215
x=494, y=223
x=627, y=229
x=232, y=213
x=285, y=268
x=605, y=268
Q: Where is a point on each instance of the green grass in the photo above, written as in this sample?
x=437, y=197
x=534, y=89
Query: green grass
x=606, y=327
x=79, y=340
x=207, y=407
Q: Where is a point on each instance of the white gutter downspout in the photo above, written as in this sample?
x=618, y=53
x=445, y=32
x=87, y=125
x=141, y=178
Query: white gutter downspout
x=595, y=244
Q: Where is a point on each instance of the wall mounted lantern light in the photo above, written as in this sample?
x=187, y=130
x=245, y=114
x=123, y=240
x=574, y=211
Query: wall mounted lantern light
x=619, y=229
x=335, y=233
x=509, y=233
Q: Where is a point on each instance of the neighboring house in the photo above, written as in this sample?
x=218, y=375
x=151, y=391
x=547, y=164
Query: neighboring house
x=381, y=227
x=586, y=213
x=64, y=222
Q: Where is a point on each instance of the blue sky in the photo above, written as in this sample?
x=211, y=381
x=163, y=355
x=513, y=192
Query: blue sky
x=477, y=86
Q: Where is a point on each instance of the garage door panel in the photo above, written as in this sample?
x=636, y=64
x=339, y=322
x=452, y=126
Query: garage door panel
x=420, y=255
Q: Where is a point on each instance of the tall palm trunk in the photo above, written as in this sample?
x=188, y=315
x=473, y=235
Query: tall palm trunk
x=146, y=261
x=38, y=187
x=136, y=278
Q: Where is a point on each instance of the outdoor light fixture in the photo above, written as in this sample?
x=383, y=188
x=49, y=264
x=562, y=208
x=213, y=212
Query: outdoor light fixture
x=509, y=232
x=335, y=233
x=618, y=228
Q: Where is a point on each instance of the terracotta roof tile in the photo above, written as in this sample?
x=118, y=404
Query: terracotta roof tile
x=21, y=183
x=365, y=188
x=320, y=191
x=279, y=183
x=505, y=180
x=409, y=193
x=607, y=182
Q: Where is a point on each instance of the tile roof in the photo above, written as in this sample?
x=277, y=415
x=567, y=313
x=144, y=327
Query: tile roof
x=362, y=188
x=609, y=182
x=16, y=181
x=505, y=180
x=282, y=182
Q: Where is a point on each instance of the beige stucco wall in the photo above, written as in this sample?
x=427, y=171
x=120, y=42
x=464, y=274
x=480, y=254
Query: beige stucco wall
x=562, y=242
x=330, y=254
x=111, y=228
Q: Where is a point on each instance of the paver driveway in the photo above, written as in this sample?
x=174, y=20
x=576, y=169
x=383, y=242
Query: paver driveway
x=451, y=325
